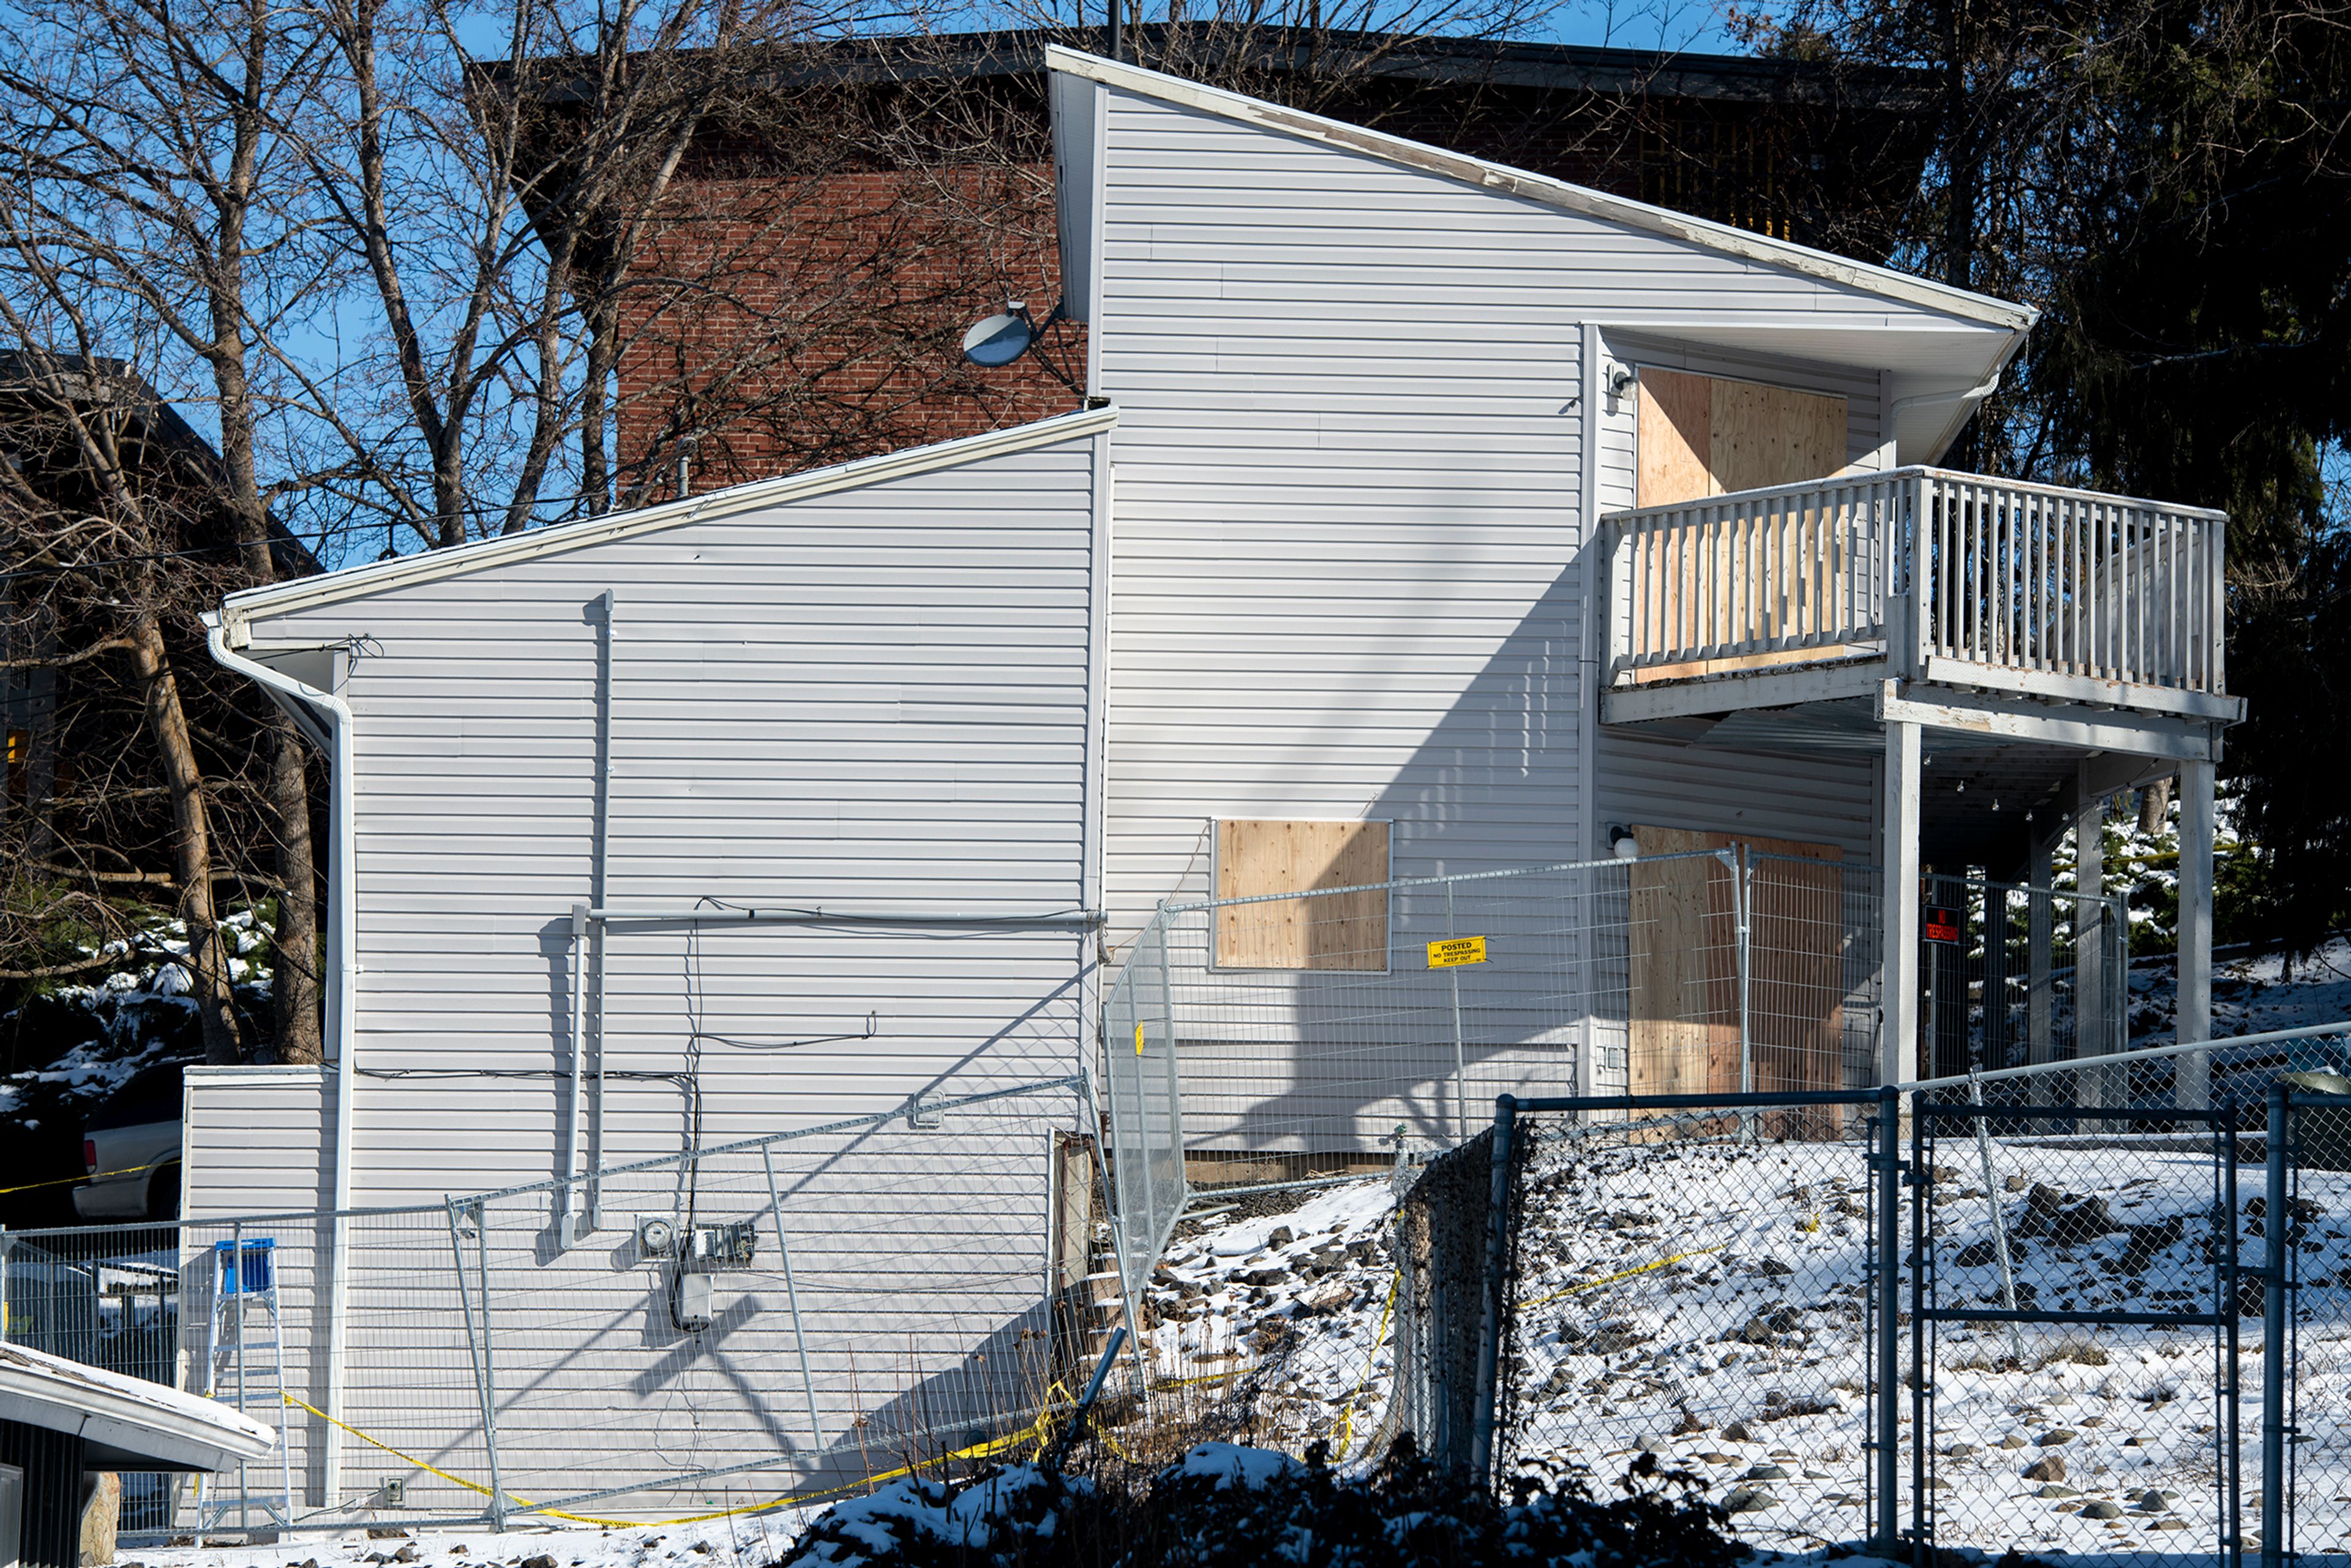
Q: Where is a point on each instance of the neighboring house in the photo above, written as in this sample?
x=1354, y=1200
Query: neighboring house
x=1322, y=564
x=799, y=294
x=78, y=752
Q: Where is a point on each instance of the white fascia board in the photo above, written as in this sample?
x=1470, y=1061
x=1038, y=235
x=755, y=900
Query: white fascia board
x=125, y=1413
x=1963, y=406
x=239, y=611
x=1886, y=282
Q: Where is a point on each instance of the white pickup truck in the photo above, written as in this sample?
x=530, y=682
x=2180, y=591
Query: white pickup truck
x=130, y=1147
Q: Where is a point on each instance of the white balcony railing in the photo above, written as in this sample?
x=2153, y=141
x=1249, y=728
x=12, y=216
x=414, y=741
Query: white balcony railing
x=2067, y=593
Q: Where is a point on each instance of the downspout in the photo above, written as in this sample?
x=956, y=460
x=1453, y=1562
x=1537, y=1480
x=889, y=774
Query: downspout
x=343, y=1000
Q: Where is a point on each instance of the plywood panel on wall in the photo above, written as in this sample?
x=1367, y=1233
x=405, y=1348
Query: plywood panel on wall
x=1258, y=856
x=1707, y=435
x=1762, y=436
x=1683, y=971
x=1676, y=438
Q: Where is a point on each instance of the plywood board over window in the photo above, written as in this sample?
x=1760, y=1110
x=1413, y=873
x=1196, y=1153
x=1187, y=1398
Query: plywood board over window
x=1338, y=930
x=1685, y=995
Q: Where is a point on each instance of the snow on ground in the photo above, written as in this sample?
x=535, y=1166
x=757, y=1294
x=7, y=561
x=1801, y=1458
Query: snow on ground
x=1742, y=1357
x=1294, y=1308
x=754, y=1540
x=1707, y=1300
x=2250, y=995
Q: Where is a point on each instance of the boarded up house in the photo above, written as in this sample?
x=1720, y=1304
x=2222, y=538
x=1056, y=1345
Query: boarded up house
x=828, y=796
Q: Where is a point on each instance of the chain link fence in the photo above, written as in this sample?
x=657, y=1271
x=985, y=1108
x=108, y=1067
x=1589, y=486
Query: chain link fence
x=2005, y=1312
x=1693, y=1288
x=1323, y=1035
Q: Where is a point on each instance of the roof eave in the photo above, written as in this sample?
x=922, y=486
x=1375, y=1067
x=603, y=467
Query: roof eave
x=1920, y=292
x=239, y=611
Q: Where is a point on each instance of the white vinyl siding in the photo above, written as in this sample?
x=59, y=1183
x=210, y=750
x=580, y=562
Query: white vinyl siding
x=875, y=698
x=260, y=1141
x=1347, y=532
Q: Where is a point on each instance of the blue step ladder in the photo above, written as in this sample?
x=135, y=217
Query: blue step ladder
x=244, y=1368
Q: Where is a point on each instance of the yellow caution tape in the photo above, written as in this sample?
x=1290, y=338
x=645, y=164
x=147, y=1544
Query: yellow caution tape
x=1347, y=1417
x=94, y=1176
x=1612, y=1279
x=1039, y=1431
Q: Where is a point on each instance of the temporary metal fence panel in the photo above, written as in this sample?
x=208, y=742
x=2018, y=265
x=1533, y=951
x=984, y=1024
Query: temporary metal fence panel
x=139, y=1300
x=786, y=1315
x=1698, y=1279
x=2014, y=975
x=1315, y=1033
x=1142, y=1103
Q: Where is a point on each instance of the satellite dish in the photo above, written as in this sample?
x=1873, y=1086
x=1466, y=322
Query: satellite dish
x=1000, y=340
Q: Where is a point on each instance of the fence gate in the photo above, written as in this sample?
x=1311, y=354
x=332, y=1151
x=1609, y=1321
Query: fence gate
x=2306, y=1491
x=1700, y=1278
x=2076, y=1295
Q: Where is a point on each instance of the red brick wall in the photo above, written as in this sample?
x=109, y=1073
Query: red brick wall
x=797, y=321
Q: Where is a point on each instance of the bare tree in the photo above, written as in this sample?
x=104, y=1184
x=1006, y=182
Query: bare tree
x=156, y=211
x=93, y=516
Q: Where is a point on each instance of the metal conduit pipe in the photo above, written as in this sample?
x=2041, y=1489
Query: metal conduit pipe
x=342, y=934
x=787, y=916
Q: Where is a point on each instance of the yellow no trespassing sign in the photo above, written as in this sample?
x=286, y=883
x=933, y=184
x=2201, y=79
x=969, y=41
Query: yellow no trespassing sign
x=1456, y=950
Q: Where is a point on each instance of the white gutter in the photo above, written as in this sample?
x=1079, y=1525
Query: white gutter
x=342, y=932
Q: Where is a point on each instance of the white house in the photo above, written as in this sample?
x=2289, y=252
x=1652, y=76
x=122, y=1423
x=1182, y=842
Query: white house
x=828, y=796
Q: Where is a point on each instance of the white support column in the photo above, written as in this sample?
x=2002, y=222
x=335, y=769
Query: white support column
x=2089, y=937
x=1898, y=905
x=2040, y=1043
x=2194, y=1017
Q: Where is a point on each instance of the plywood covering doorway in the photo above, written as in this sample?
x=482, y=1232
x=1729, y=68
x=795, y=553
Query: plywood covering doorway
x=1705, y=435
x=1684, y=977
x=1697, y=437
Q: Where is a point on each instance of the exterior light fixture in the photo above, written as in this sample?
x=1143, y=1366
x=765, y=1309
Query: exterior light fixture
x=1621, y=843
x=1002, y=339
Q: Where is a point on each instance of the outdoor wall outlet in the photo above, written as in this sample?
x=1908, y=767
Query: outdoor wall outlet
x=395, y=1494
x=656, y=1236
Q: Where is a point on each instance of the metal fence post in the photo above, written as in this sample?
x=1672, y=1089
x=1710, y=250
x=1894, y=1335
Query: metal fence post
x=791, y=1293
x=1999, y=1221
x=497, y=1509
x=1460, y=1057
x=1741, y=898
x=490, y=1374
x=1174, y=1080
x=1489, y=1333
x=2276, y=1244
x=1889, y=1301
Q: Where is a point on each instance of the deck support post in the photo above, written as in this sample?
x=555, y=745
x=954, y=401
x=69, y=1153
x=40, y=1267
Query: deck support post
x=1898, y=903
x=2089, y=936
x=2194, y=1016
x=2040, y=935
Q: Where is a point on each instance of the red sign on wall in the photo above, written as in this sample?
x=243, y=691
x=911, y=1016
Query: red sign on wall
x=1942, y=925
